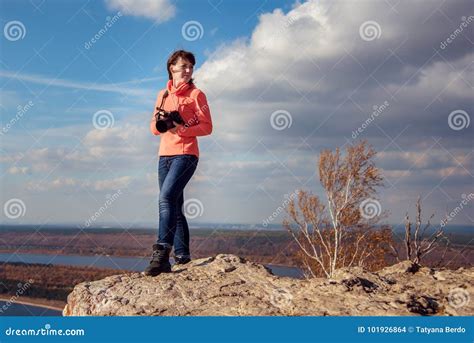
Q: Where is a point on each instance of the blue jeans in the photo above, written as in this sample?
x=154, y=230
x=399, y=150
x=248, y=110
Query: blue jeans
x=174, y=172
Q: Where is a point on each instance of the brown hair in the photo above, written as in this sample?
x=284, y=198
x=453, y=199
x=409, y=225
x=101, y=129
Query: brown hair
x=185, y=55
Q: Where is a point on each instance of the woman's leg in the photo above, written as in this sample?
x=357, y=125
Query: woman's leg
x=181, y=238
x=160, y=258
x=181, y=169
x=163, y=169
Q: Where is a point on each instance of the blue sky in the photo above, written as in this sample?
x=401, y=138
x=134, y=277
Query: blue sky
x=133, y=49
x=320, y=67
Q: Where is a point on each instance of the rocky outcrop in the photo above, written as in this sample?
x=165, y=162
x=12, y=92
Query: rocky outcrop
x=228, y=285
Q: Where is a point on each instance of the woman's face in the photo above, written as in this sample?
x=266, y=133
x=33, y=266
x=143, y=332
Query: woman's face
x=182, y=71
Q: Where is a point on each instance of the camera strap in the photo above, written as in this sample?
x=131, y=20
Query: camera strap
x=165, y=94
x=194, y=95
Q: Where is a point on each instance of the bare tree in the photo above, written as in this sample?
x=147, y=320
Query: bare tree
x=339, y=232
x=418, y=244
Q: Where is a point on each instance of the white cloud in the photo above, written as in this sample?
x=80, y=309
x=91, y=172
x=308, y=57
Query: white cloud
x=64, y=182
x=11, y=158
x=44, y=80
x=396, y=173
x=70, y=183
x=432, y=159
x=113, y=184
x=158, y=10
x=18, y=170
x=312, y=62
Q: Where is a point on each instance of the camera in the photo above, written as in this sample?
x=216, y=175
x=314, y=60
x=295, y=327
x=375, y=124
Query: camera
x=165, y=119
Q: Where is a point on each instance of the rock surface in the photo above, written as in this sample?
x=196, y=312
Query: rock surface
x=227, y=285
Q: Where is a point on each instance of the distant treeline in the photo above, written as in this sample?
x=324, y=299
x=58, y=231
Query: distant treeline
x=264, y=246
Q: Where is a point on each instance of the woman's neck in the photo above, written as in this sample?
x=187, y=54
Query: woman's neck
x=177, y=82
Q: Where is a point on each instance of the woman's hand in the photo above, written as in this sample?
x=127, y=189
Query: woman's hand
x=177, y=127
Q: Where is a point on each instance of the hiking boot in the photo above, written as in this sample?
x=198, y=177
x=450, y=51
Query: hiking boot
x=160, y=262
x=182, y=259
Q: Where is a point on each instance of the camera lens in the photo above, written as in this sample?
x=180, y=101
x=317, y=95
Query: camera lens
x=161, y=126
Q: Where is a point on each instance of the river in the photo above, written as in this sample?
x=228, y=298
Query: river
x=19, y=309
x=116, y=262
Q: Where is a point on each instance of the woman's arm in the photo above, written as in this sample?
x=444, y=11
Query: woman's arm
x=153, y=119
x=204, y=126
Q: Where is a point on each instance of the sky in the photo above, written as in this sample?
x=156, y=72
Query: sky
x=284, y=80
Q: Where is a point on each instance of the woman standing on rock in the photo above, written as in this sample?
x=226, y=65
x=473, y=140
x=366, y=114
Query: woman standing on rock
x=181, y=114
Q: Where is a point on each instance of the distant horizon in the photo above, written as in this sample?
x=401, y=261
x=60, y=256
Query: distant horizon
x=195, y=225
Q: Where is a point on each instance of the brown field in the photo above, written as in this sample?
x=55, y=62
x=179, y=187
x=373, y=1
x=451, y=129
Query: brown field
x=45, y=284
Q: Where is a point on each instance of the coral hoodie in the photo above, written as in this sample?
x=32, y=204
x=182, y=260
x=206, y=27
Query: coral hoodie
x=192, y=104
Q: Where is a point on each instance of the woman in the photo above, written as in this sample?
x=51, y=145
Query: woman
x=178, y=158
